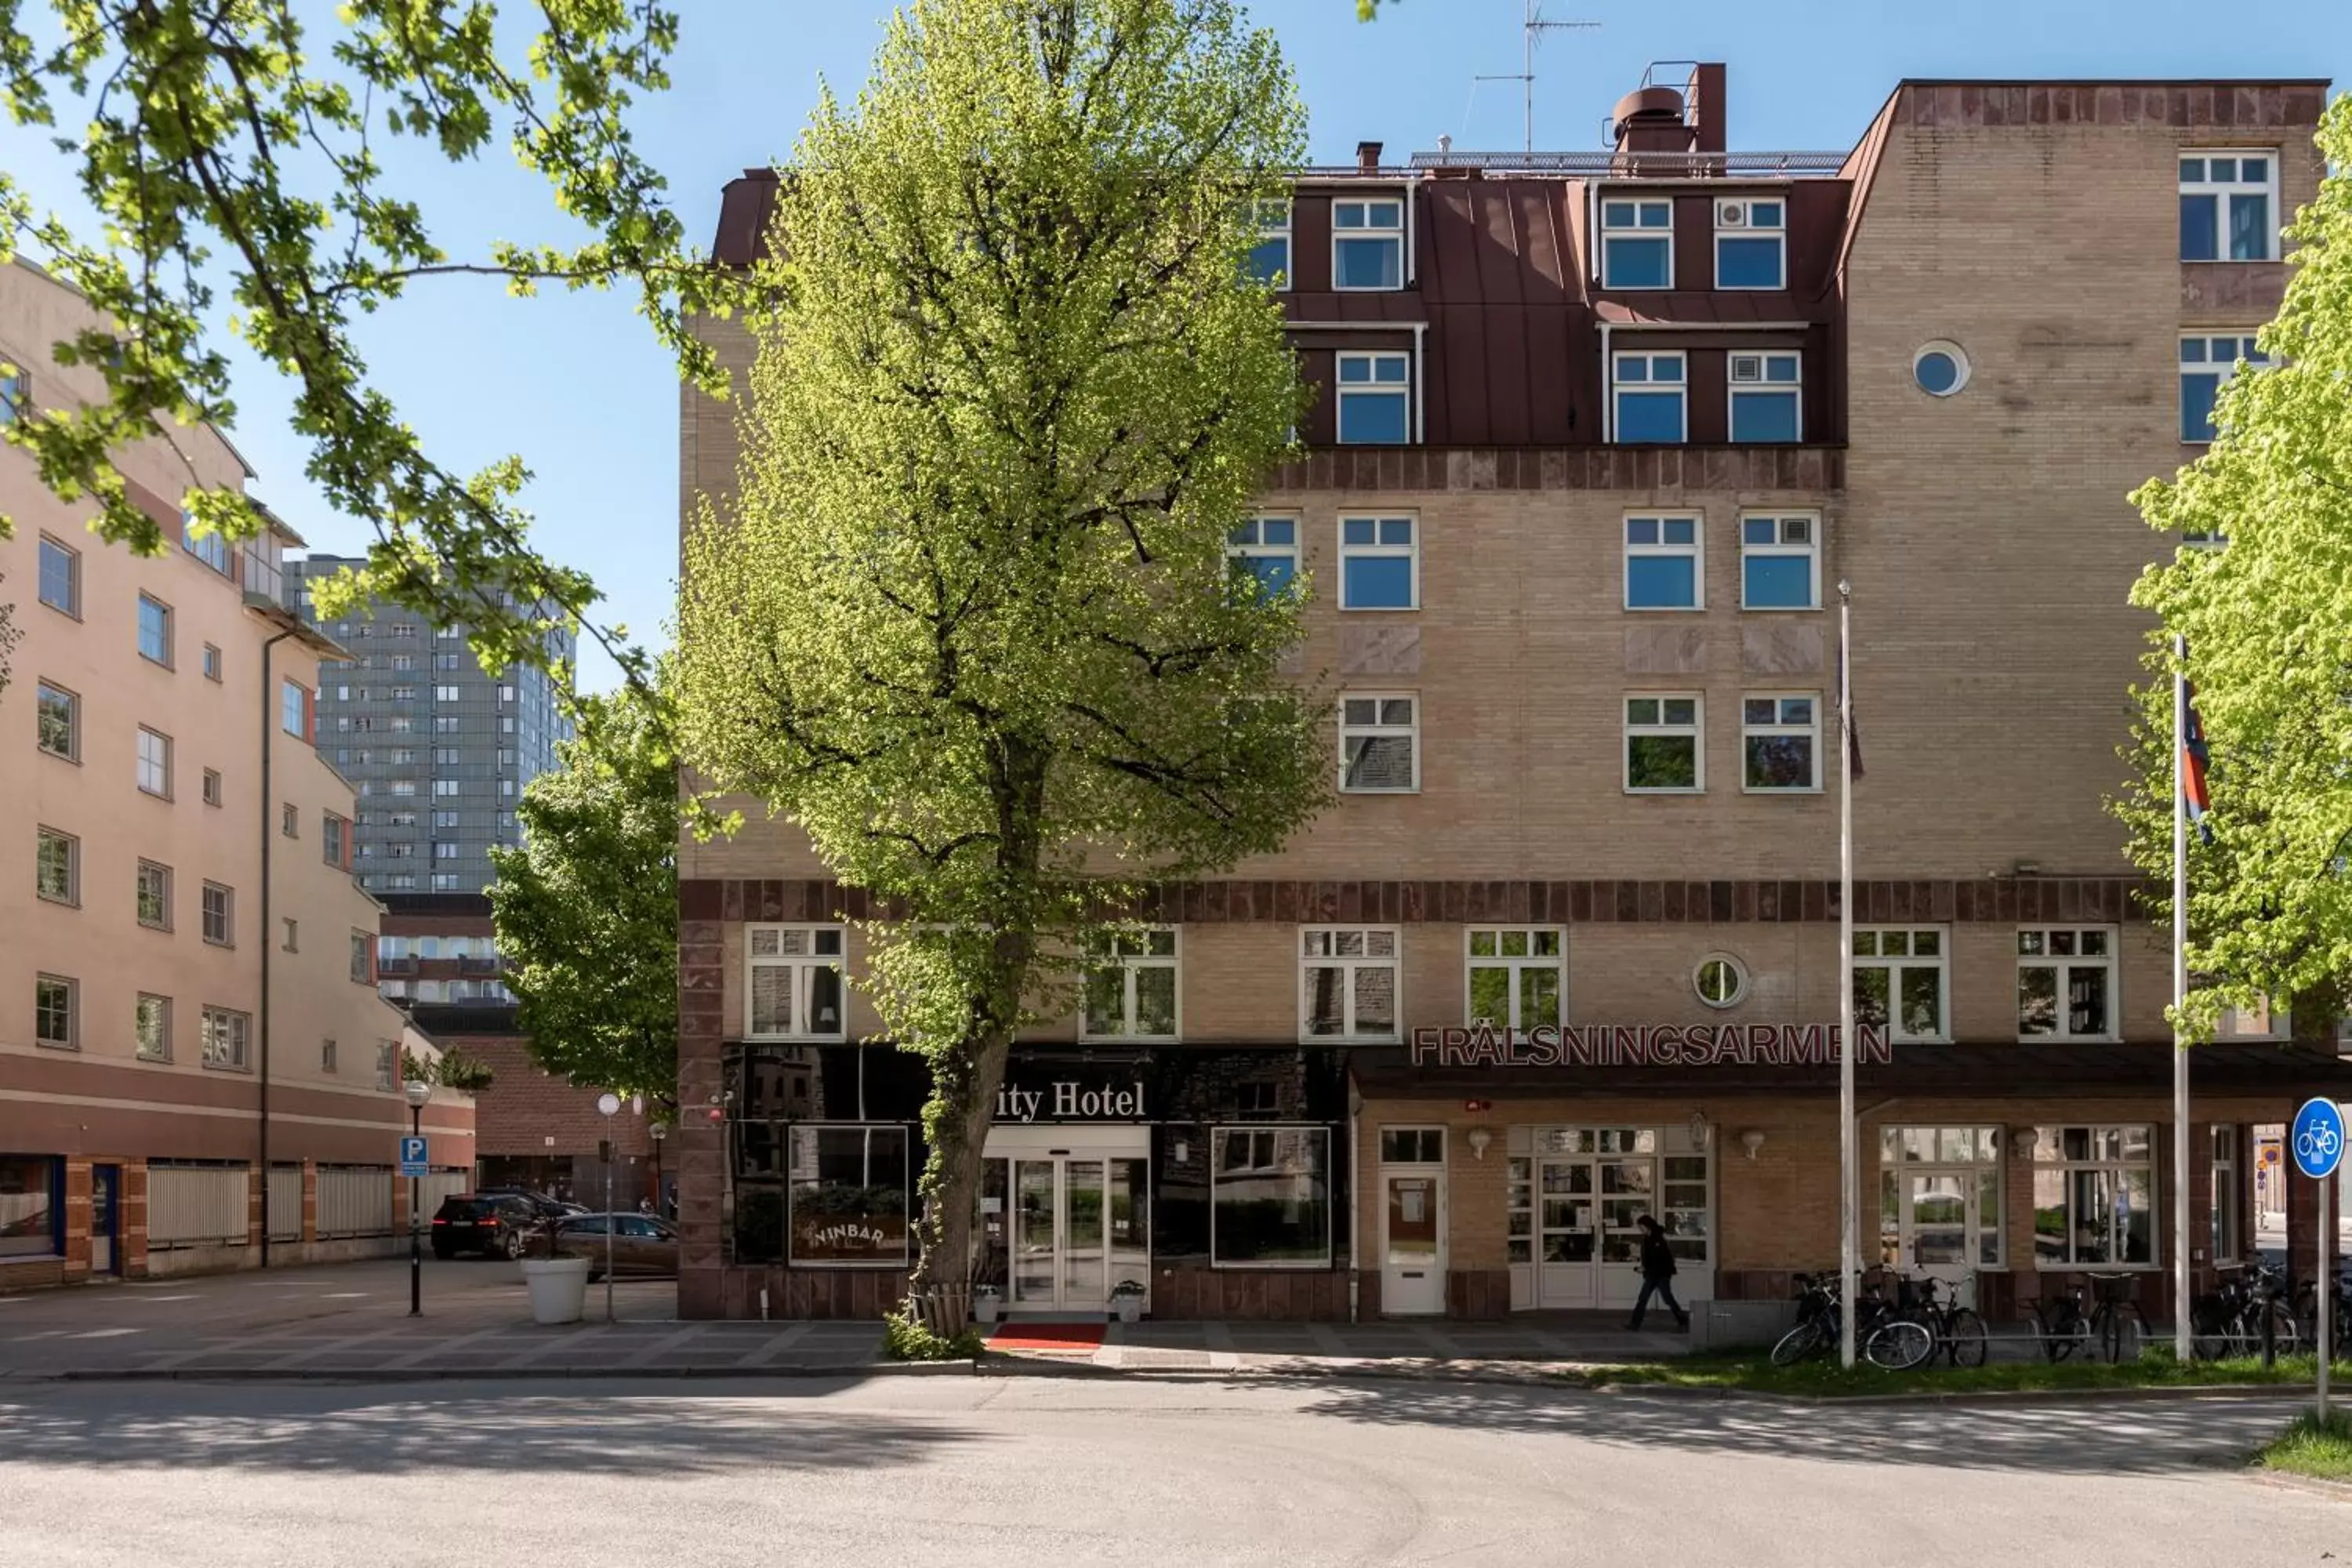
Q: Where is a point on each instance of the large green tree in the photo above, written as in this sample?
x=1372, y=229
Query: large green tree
x=970, y=621
x=230, y=156
x=586, y=907
x=2265, y=606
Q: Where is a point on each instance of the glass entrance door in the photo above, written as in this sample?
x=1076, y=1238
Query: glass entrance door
x=1081, y=1227
x=1567, y=1242
x=1037, y=1231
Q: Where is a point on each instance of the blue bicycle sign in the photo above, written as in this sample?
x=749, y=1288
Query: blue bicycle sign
x=2317, y=1138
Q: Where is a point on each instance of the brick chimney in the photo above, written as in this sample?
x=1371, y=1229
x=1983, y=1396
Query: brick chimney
x=1704, y=109
x=1368, y=156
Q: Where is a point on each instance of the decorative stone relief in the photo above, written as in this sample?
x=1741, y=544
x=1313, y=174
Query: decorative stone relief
x=1673, y=649
x=1380, y=651
x=1782, y=648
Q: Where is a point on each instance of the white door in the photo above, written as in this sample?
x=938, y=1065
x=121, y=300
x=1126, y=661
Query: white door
x=1412, y=1242
x=1567, y=1238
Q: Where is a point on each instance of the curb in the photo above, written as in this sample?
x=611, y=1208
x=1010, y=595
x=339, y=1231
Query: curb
x=496, y=1374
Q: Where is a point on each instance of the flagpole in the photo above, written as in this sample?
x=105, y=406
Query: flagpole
x=1849, y=1239
x=2181, y=1324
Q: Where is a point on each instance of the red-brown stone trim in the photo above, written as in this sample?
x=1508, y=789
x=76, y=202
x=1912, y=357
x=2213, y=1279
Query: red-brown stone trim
x=2220, y=105
x=1805, y=469
x=2003, y=901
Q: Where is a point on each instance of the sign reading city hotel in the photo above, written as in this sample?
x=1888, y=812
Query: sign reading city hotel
x=1643, y=1045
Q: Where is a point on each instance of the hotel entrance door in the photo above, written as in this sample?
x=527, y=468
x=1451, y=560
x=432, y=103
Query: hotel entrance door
x=1071, y=1215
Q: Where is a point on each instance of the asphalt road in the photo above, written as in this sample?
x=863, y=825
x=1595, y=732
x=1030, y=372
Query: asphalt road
x=964, y=1470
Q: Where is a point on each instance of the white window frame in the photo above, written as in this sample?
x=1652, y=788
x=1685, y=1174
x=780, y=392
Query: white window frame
x=1871, y=951
x=1379, y=727
x=1733, y=968
x=1782, y=547
x=2250, y=355
x=2054, y=1160
x=1516, y=966
x=1894, y=1164
x=1246, y=543
x=43, y=836
x=1780, y=725
x=801, y=1025
x=1409, y=552
x=1650, y=358
x=1735, y=219
x=1696, y=730
x=1123, y=954
x=292, y=699
x=2224, y=1195
x=72, y=988
x=212, y=787
x=1335, y=940
x=1369, y=230
x=2065, y=964
x=159, y=1048
x=1373, y=386
x=44, y=689
x=2222, y=190
x=227, y=1039
x=1637, y=230
x=72, y=558
x=1739, y=385
x=1696, y=551
x=210, y=547
x=163, y=878
x=154, y=773
x=228, y=937
x=1283, y=230
x=139, y=630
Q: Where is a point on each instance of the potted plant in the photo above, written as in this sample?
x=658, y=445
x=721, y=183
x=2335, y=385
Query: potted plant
x=985, y=1303
x=1126, y=1300
x=559, y=1285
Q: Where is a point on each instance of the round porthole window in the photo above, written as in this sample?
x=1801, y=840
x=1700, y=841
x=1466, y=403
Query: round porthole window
x=1940, y=369
x=1721, y=979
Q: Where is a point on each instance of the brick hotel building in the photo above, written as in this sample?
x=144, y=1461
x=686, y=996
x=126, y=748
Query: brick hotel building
x=1598, y=433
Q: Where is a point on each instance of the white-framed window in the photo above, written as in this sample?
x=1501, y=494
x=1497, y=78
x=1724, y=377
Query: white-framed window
x=57, y=865
x=1779, y=561
x=1901, y=976
x=289, y=820
x=2208, y=361
x=1767, y=396
x=225, y=1034
x=1379, y=744
x=1637, y=242
x=2094, y=1196
x=2227, y=200
x=2066, y=982
x=793, y=982
x=208, y=547
x=1269, y=256
x=56, y=725
x=1375, y=399
x=387, y=1065
x=1380, y=563
x=1751, y=243
x=1131, y=990
x=333, y=839
x=1367, y=243
x=151, y=1028
x=2225, y=1210
x=1650, y=397
x=445, y=694
x=211, y=789
x=60, y=586
x=1720, y=980
x=1665, y=560
x=1940, y=1200
x=445, y=850
x=291, y=702
x=1264, y=550
x=1349, y=982
x=443, y=789
x=293, y=934
x=362, y=958
x=1517, y=976
x=1780, y=741
x=1270, y=1197
x=219, y=915
x=154, y=763
x=154, y=896
x=154, y=630
x=211, y=662
x=1663, y=751
x=57, y=1008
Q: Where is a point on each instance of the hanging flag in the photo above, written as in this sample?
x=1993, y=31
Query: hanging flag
x=1845, y=718
x=2193, y=759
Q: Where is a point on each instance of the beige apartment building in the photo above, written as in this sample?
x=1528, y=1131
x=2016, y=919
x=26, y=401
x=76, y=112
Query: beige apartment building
x=186, y=964
x=1599, y=436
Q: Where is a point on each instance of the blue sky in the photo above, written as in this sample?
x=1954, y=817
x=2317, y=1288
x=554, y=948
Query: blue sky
x=576, y=385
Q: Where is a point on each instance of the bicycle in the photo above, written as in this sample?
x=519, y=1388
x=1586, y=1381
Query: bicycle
x=1819, y=1314
x=2061, y=1325
x=1907, y=1339
x=2110, y=1327
x=2339, y=1303
x=2235, y=1319
x=1960, y=1334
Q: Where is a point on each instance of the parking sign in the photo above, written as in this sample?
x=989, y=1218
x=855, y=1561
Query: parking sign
x=412, y=1161
x=2317, y=1138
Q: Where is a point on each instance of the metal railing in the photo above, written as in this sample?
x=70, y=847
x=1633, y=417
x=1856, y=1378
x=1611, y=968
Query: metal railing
x=1602, y=165
x=188, y=1205
x=354, y=1200
x=284, y=1214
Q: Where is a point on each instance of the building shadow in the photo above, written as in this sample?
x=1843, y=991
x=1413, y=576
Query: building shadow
x=2088, y=1438
x=527, y=1431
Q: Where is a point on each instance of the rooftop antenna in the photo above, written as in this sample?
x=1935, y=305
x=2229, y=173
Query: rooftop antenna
x=1532, y=28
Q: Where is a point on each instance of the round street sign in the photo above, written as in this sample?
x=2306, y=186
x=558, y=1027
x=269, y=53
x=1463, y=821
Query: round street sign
x=610, y=1103
x=2317, y=1138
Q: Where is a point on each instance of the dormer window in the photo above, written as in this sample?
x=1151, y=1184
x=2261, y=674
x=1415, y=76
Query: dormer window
x=1766, y=392
x=1375, y=399
x=1751, y=244
x=1649, y=393
x=1368, y=244
x=1637, y=244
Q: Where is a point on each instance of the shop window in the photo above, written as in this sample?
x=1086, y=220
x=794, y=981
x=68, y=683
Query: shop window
x=1270, y=1197
x=848, y=1195
x=1517, y=975
x=2094, y=1196
x=793, y=982
x=1899, y=981
x=2066, y=982
x=30, y=1212
x=1939, y=1197
x=2226, y=1221
x=1130, y=987
x=1347, y=983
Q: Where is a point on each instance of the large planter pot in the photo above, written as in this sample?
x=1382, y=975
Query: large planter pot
x=984, y=1309
x=1126, y=1309
x=559, y=1287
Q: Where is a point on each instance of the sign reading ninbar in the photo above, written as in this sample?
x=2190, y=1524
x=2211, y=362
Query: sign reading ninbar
x=1643, y=1045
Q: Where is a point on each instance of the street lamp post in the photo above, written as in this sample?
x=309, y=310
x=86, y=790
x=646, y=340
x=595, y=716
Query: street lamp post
x=418, y=1092
x=609, y=1104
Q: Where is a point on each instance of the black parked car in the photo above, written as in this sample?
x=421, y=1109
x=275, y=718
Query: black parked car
x=542, y=1204
x=496, y=1225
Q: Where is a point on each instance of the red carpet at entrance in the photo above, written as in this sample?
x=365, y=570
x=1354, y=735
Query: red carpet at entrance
x=1047, y=1337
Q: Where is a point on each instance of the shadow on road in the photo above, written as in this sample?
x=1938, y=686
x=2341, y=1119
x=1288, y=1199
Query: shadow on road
x=2098, y=1438
x=314, y=1430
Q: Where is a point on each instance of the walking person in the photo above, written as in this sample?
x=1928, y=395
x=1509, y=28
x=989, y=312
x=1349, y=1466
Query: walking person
x=1657, y=1276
